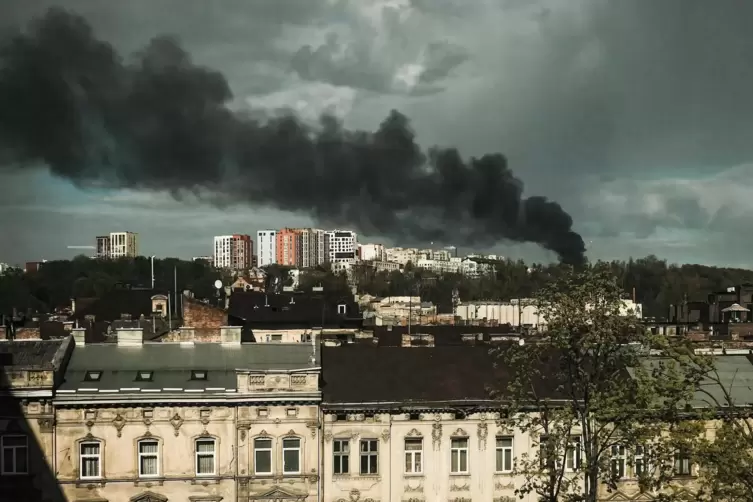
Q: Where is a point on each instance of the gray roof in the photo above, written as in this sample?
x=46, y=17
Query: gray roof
x=172, y=364
x=29, y=354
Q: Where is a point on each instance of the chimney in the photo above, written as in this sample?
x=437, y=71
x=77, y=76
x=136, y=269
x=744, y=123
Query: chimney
x=187, y=335
x=130, y=337
x=79, y=336
x=230, y=335
x=73, y=305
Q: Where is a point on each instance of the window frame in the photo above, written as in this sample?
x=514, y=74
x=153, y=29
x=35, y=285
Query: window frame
x=82, y=456
x=369, y=454
x=198, y=454
x=298, y=449
x=573, y=454
x=269, y=451
x=682, y=457
x=155, y=455
x=412, y=454
x=338, y=456
x=640, y=457
x=3, y=468
x=503, y=449
x=457, y=450
x=618, y=461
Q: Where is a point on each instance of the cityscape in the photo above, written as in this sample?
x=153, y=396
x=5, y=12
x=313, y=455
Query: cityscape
x=376, y=251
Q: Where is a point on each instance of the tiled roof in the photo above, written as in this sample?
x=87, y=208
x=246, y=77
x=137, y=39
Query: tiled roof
x=358, y=374
x=36, y=354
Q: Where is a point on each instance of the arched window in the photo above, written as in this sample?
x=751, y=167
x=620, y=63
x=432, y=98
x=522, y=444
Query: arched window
x=90, y=459
x=148, y=455
x=206, y=456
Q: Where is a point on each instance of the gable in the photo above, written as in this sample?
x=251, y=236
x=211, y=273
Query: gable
x=279, y=494
x=148, y=497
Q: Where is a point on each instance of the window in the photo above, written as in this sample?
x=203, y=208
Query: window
x=504, y=454
x=263, y=456
x=92, y=376
x=340, y=456
x=15, y=458
x=144, y=376
x=618, y=461
x=342, y=309
x=276, y=338
x=205, y=457
x=198, y=375
x=148, y=457
x=90, y=460
x=413, y=457
x=573, y=454
x=369, y=456
x=640, y=466
x=547, y=457
x=291, y=455
x=682, y=463
x=459, y=456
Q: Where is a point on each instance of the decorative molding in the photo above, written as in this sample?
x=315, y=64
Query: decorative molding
x=176, y=422
x=414, y=433
x=147, y=434
x=291, y=432
x=436, y=435
x=328, y=436
x=463, y=488
x=119, y=423
x=204, y=414
x=355, y=496
x=89, y=424
x=356, y=417
x=263, y=434
x=148, y=496
x=45, y=424
x=460, y=433
x=483, y=433
x=243, y=434
x=461, y=499
x=414, y=489
x=313, y=426
x=505, y=498
x=386, y=435
x=504, y=486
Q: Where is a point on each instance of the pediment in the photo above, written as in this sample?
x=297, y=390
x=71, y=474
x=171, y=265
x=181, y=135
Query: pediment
x=279, y=494
x=643, y=497
x=617, y=497
x=148, y=497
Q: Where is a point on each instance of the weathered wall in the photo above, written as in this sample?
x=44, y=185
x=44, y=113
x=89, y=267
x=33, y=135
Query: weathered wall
x=198, y=315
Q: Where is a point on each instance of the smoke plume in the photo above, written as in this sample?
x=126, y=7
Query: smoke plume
x=159, y=122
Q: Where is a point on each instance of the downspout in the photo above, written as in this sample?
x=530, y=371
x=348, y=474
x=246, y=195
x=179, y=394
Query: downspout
x=319, y=450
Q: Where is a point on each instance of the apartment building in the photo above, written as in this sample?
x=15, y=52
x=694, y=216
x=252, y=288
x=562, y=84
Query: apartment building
x=340, y=248
x=233, y=252
x=287, y=248
x=310, y=247
x=266, y=244
x=117, y=245
x=371, y=252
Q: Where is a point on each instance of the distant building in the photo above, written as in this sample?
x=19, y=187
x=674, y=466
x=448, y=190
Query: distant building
x=266, y=247
x=371, y=252
x=288, y=242
x=233, y=252
x=33, y=266
x=4, y=267
x=208, y=259
x=309, y=247
x=118, y=245
x=340, y=248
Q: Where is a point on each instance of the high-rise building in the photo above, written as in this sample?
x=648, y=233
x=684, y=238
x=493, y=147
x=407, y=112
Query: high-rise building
x=288, y=245
x=340, y=248
x=266, y=247
x=118, y=245
x=371, y=252
x=310, y=247
x=233, y=252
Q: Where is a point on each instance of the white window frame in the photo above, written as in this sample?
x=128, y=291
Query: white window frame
x=82, y=456
x=297, y=449
x=573, y=454
x=268, y=451
x=456, y=451
x=199, y=455
x=342, y=309
x=682, y=458
x=369, y=453
x=618, y=461
x=154, y=455
x=414, y=458
x=504, y=449
x=640, y=457
x=13, y=470
x=338, y=456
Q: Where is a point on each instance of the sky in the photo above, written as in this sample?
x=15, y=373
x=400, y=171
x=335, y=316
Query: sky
x=635, y=116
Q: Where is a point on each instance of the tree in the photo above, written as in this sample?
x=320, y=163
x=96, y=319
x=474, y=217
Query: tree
x=584, y=395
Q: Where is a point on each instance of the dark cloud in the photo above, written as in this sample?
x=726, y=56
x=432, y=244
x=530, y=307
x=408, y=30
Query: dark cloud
x=162, y=123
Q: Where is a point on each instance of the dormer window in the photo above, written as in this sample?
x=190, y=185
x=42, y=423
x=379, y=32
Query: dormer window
x=342, y=309
x=198, y=375
x=92, y=376
x=144, y=376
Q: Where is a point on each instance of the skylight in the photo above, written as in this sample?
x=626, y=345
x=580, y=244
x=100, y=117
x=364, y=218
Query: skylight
x=92, y=376
x=144, y=376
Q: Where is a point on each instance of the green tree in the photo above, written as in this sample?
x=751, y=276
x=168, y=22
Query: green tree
x=592, y=393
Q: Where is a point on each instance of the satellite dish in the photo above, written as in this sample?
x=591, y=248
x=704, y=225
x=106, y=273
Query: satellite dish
x=218, y=284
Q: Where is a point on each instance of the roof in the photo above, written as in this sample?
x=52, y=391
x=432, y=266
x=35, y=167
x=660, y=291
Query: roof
x=391, y=336
x=358, y=375
x=112, y=304
x=30, y=354
x=260, y=309
x=172, y=365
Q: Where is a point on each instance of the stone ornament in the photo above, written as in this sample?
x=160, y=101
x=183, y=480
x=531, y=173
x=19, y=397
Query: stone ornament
x=414, y=433
x=483, y=433
x=119, y=423
x=436, y=435
x=176, y=422
x=386, y=435
x=460, y=433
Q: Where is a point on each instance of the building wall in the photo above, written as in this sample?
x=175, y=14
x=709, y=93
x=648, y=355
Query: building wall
x=198, y=315
x=436, y=482
x=340, y=246
x=123, y=244
x=288, y=243
x=233, y=251
x=371, y=252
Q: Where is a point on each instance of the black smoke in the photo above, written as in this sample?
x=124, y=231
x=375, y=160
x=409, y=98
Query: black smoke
x=160, y=122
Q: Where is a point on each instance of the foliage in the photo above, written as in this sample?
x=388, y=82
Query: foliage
x=594, y=396
x=56, y=282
